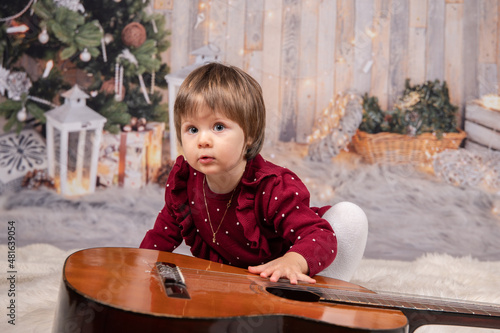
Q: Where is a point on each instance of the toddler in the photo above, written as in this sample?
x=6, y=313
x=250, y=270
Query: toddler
x=230, y=205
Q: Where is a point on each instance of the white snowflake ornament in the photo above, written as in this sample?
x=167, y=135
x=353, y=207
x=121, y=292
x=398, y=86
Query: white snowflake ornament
x=17, y=84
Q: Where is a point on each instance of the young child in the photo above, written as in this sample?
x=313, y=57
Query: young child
x=232, y=206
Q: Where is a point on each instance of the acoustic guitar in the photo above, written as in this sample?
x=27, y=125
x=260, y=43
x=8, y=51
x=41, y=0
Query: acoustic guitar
x=137, y=290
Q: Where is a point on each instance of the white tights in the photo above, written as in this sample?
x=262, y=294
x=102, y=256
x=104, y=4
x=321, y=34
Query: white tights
x=350, y=224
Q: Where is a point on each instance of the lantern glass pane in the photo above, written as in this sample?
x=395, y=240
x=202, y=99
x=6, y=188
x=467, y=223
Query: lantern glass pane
x=73, y=161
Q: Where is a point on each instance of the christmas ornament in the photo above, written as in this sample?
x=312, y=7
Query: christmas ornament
x=18, y=83
x=134, y=34
x=43, y=37
x=22, y=114
x=85, y=56
x=335, y=127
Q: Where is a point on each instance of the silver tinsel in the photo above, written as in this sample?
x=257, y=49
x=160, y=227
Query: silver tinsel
x=466, y=168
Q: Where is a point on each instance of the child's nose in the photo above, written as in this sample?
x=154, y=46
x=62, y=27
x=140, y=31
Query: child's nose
x=204, y=139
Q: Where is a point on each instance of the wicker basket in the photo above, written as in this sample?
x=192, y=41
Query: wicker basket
x=392, y=148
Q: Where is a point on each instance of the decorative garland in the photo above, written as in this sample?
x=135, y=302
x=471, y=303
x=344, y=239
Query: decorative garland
x=335, y=127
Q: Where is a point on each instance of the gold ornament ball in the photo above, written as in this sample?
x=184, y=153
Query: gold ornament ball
x=134, y=34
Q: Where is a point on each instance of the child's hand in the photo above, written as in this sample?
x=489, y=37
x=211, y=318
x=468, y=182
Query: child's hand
x=292, y=266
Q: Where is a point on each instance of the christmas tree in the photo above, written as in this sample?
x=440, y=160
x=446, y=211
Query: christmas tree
x=111, y=48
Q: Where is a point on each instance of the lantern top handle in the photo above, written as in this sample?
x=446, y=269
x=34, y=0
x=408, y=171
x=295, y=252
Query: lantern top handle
x=75, y=94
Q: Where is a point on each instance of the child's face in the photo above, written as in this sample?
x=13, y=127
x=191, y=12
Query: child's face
x=213, y=144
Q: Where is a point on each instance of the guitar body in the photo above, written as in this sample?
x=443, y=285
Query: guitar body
x=124, y=290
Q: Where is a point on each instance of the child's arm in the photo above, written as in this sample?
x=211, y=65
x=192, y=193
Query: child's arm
x=165, y=234
x=292, y=266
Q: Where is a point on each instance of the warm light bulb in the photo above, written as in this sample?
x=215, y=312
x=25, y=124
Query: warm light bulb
x=48, y=68
x=17, y=29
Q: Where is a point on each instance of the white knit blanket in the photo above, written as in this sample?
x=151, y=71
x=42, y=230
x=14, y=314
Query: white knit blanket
x=39, y=272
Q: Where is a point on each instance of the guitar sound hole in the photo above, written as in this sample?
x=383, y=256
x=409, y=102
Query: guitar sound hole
x=294, y=294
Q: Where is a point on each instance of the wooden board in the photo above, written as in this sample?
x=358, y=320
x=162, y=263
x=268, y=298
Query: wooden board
x=290, y=69
x=454, y=53
x=234, y=40
x=325, y=84
x=435, y=41
x=477, y=113
x=398, y=57
x=482, y=125
x=363, y=46
x=344, y=48
x=254, y=24
x=471, y=31
x=379, y=71
x=306, y=94
x=482, y=135
x=271, y=68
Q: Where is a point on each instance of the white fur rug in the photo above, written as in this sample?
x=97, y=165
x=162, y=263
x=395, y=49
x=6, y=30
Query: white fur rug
x=39, y=268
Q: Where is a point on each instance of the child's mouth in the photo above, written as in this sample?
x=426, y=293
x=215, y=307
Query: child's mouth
x=206, y=159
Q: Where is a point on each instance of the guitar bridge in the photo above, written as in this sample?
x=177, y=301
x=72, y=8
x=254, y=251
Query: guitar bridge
x=172, y=279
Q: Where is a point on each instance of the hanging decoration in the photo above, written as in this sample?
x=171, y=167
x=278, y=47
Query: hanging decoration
x=134, y=34
x=467, y=168
x=130, y=57
x=16, y=83
x=335, y=127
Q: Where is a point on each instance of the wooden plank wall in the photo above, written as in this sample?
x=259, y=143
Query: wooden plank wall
x=305, y=52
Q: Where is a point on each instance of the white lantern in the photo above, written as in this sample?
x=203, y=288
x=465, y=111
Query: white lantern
x=205, y=54
x=74, y=133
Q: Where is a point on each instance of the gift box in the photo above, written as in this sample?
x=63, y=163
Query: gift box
x=131, y=159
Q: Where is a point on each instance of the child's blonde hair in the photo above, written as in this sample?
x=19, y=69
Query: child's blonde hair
x=229, y=91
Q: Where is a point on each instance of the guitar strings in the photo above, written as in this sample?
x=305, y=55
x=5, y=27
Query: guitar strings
x=356, y=295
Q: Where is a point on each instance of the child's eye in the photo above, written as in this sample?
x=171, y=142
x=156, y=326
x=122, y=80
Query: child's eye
x=219, y=127
x=192, y=130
